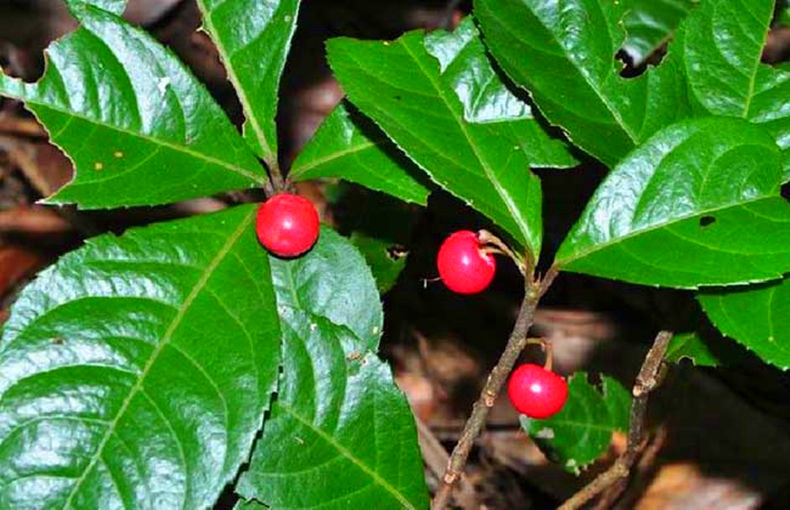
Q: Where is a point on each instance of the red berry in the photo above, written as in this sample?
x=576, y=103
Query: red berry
x=537, y=392
x=463, y=266
x=287, y=225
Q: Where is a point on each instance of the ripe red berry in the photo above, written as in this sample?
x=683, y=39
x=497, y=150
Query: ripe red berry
x=537, y=392
x=463, y=266
x=287, y=225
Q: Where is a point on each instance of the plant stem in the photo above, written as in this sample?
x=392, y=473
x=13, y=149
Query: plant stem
x=516, y=342
x=275, y=175
x=650, y=376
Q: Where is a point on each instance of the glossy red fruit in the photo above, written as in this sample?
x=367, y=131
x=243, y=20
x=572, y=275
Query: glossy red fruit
x=287, y=225
x=537, y=392
x=463, y=265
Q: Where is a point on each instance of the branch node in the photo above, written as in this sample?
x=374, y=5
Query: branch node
x=650, y=376
x=494, y=383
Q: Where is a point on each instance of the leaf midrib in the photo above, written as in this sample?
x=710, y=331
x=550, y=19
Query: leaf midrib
x=166, y=338
x=156, y=141
x=503, y=195
x=297, y=171
x=251, y=117
x=350, y=456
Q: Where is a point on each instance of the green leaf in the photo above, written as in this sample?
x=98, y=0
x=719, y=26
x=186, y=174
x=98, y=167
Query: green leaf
x=770, y=107
x=784, y=13
x=582, y=430
x=697, y=204
x=650, y=23
x=563, y=54
x=385, y=263
x=114, y=6
x=722, y=70
x=756, y=316
x=693, y=347
x=140, y=129
x=136, y=371
x=332, y=281
x=423, y=98
x=253, y=38
x=340, y=433
x=349, y=146
x=722, y=42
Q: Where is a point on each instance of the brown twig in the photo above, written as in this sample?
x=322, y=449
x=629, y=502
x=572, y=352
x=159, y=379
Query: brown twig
x=649, y=377
x=498, y=376
x=436, y=458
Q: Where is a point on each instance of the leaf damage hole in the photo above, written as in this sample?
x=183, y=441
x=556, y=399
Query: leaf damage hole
x=397, y=252
x=706, y=221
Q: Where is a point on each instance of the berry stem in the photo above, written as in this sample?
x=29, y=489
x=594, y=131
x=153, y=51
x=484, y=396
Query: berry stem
x=498, y=246
x=545, y=346
x=534, y=290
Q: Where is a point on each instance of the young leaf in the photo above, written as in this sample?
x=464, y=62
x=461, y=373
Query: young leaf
x=337, y=408
x=650, y=23
x=136, y=371
x=692, y=347
x=563, y=54
x=418, y=97
x=756, y=316
x=349, y=146
x=139, y=128
x=697, y=204
x=253, y=38
x=722, y=42
x=582, y=430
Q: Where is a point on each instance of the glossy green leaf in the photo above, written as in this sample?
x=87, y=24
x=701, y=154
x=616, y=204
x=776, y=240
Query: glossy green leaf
x=136, y=371
x=113, y=6
x=332, y=281
x=756, y=316
x=351, y=147
x=563, y=54
x=253, y=38
x=693, y=347
x=138, y=126
x=722, y=42
x=424, y=98
x=582, y=430
x=340, y=433
x=650, y=23
x=697, y=204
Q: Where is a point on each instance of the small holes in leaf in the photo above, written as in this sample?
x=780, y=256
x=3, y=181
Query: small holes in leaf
x=397, y=252
x=706, y=220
